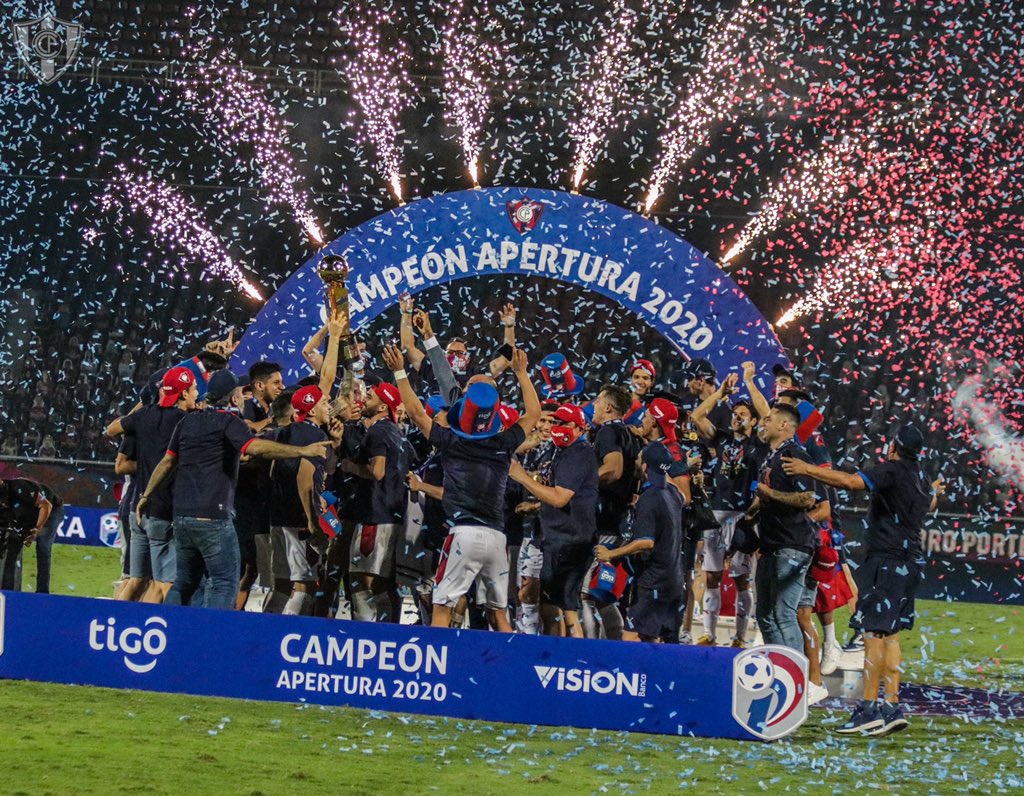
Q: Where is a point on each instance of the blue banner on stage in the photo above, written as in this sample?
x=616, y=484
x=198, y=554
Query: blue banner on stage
x=644, y=267
x=655, y=688
x=90, y=526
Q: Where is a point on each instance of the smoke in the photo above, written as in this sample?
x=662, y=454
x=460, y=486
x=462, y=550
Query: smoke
x=1003, y=450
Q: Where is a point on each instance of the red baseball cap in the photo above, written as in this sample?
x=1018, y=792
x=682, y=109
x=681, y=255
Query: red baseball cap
x=643, y=364
x=176, y=382
x=304, y=399
x=509, y=416
x=389, y=394
x=665, y=414
x=570, y=413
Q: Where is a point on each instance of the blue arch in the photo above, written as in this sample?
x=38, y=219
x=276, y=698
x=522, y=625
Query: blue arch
x=526, y=231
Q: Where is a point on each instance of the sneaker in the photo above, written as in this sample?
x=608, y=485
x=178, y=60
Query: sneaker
x=816, y=693
x=830, y=658
x=893, y=718
x=685, y=637
x=855, y=644
x=866, y=717
x=705, y=641
x=739, y=644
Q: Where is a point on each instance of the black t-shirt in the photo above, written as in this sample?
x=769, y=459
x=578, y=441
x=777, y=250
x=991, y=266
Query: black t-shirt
x=435, y=521
x=475, y=474
x=19, y=503
x=253, y=411
x=615, y=498
x=720, y=417
x=731, y=474
x=781, y=525
x=514, y=495
x=286, y=509
x=658, y=516
x=152, y=427
x=382, y=502
x=537, y=460
x=900, y=498
x=207, y=444
x=344, y=484
x=131, y=483
x=573, y=468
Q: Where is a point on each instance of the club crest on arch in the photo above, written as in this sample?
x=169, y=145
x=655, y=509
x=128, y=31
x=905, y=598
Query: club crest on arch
x=524, y=214
x=48, y=46
x=769, y=691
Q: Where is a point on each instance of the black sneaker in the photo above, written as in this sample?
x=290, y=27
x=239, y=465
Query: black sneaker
x=855, y=644
x=892, y=718
x=866, y=718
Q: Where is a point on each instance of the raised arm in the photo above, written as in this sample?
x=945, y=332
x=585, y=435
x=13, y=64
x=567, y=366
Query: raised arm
x=700, y=414
x=796, y=500
x=446, y=383
x=531, y=402
x=408, y=337
x=507, y=315
x=311, y=350
x=395, y=361
x=336, y=325
x=756, y=396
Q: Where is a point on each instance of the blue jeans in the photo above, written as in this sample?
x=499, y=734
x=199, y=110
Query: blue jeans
x=44, y=549
x=209, y=546
x=780, y=583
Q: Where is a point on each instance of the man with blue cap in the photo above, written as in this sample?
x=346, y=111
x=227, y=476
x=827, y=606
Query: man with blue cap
x=476, y=455
x=892, y=570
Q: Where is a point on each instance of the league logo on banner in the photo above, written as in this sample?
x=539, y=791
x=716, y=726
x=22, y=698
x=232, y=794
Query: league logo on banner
x=769, y=692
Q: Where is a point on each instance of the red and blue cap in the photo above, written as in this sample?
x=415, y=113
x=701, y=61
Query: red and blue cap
x=304, y=399
x=559, y=378
x=475, y=415
x=810, y=419
x=509, y=416
x=434, y=404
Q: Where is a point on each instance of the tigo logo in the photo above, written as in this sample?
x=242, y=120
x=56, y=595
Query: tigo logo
x=587, y=681
x=132, y=641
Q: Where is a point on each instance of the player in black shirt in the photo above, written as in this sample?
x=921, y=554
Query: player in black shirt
x=203, y=454
x=25, y=511
x=381, y=466
x=616, y=448
x=893, y=567
x=656, y=545
x=567, y=513
x=476, y=456
x=787, y=537
x=153, y=550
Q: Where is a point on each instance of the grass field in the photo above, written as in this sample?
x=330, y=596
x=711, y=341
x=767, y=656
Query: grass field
x=63, y=739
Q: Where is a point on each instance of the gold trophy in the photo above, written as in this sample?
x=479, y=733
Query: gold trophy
x=334, y=271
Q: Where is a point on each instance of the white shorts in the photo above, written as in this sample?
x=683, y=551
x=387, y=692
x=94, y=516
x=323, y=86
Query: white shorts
x=471, y=552
x=290, y=555
x=717, y=540
x=742, y=565
x=531, y=557
x=373, y=550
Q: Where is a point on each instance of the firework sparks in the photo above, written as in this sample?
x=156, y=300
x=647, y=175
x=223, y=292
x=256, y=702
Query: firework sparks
x=823, y=177
x=239, y=107
x=601, y=89
x=1003, y=450
x=175, y=221
x=376, y=72
x=468, y=59
x=721, y=84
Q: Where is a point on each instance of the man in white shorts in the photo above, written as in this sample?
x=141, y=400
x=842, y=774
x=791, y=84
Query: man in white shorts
x=476, y=456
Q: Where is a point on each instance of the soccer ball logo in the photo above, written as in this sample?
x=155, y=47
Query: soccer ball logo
x=110, y=530
x=769, y=691
x=756, y=674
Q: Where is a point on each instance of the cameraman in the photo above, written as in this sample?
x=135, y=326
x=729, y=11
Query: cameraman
x=25, y=514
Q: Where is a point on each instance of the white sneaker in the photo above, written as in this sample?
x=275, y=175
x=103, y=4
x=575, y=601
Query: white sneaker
x=830, y=658
x=816, y=693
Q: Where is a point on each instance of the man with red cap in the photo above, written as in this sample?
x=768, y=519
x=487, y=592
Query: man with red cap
x=296, y=487
x=476, y=455
x=381, y=465
x=567, y=519
x=152, y=551
x=641, y=378
x=203, y=454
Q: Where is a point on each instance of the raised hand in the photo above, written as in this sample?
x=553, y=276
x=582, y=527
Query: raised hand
x=393, y=357
x=749, y=371
x=421, y=323
x=519, y=362
x=507, y=315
